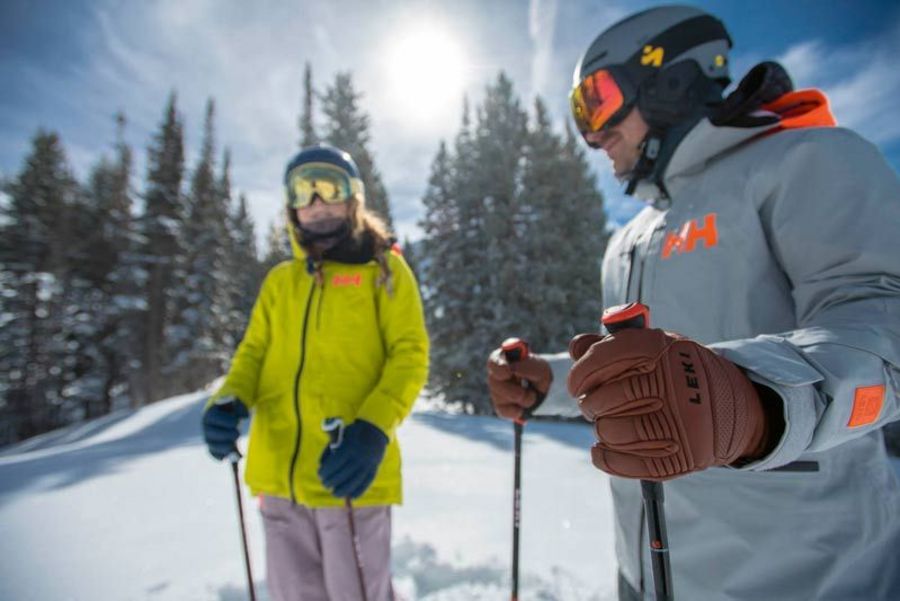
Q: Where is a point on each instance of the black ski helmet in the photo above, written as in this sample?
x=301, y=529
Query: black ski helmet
x=671, y=62
x=322, y=153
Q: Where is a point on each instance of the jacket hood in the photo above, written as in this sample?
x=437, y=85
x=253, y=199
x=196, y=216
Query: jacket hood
x=706, y=141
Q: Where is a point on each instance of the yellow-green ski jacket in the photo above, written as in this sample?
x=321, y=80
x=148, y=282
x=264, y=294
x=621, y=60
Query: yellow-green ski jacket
x=344, y=345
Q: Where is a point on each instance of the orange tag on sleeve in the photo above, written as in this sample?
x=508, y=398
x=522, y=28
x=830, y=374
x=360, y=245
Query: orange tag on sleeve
x=867, y=404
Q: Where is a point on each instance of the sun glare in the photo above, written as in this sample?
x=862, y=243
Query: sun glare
x=426, y=75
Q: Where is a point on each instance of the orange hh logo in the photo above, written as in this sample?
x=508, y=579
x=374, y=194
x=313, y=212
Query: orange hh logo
x=353, y=279
x=684, y=240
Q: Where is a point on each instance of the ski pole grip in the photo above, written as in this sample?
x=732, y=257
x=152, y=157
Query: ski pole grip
x=623, y=317
x=514, y=349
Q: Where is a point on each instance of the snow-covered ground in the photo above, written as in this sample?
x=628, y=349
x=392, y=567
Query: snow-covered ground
x=131, y=507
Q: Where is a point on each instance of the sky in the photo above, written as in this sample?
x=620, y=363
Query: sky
x=71, y=65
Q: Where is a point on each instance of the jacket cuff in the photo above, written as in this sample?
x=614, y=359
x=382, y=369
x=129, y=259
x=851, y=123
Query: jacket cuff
x=378, y=411
x=220, y=396
x=558, y=402
x=773, y=362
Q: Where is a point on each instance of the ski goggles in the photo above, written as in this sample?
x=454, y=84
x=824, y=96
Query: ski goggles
x=597, y=101
x=329, y=182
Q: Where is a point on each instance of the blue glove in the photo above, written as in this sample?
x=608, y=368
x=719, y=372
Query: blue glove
x=220, y=426
x=349, y=469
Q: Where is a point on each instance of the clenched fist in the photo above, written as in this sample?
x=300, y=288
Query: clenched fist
x=511, y=399
x=663, y=405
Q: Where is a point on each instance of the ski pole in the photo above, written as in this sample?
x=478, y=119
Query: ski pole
x=334, y=426
x=516, y=349
x=234, y=457
x=637, y=316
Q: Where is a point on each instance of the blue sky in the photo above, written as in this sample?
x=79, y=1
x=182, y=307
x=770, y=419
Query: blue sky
x=70, y=65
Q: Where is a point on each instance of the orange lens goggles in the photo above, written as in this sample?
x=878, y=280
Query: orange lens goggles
x=595, y=101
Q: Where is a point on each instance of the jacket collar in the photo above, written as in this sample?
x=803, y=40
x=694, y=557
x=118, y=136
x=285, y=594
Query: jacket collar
x=706, y=142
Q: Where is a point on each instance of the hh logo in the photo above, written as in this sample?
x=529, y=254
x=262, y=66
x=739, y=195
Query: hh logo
x=353, y=279
x=653, y=56
x=685, y=239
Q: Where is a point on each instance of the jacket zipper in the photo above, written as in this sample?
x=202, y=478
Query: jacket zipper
x=640, y=292
x=642, y=260
x=631, y=273
x=312, y=291
x=319, y=309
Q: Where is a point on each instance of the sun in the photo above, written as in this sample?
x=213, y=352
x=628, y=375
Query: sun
x=425, y=67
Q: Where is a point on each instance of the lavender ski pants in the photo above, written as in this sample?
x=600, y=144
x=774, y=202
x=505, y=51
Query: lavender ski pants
x=310, y=555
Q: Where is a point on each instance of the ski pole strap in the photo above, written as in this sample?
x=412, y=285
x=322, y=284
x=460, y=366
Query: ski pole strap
x=334, y=426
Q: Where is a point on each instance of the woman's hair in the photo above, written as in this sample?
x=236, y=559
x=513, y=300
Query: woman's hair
x=362, y=222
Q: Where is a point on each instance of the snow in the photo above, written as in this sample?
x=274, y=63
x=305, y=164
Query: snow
x=132, y=507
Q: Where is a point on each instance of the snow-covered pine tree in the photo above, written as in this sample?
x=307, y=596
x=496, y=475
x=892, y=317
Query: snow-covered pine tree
x=244, y=272
x=513, y=236
x=439, y=269
x=33, y=246
x=308, y=135
x=160, y=225
x=104, y=329
x=469, y=246
x=195, y=333
x=347, y=127
x=411, y=254
x=562, y=237
x=278, y=244
x=494, y=250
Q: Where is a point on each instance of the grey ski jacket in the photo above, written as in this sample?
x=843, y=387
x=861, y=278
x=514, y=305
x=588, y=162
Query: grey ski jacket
x=779, y=248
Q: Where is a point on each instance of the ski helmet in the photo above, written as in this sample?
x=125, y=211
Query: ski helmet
x=322, y=170
x=667, y=61
x=671, y=62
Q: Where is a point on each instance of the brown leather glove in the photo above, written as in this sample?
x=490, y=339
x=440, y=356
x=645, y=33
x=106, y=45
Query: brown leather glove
x=663, y=405
x=511, y=399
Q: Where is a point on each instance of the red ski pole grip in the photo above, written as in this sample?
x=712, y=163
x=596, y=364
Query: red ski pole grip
x=624, y=317
x=514, y=349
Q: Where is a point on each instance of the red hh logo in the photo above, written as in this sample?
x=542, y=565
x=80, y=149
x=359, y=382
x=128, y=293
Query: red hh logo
x=684, y=240
x=352, y=279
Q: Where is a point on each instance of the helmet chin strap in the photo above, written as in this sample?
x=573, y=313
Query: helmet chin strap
x=646, y=163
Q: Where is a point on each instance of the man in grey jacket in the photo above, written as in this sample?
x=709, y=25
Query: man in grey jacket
x=771, y=244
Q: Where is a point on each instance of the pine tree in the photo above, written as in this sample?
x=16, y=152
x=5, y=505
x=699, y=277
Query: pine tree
x=160, y=226
x=308, y=135
x=34, y=279
x=562, y=232
x=513, y=236
x=109, y=304
x=347, y=128
x=441, y=271
x=411, y=254
x=195, y=334
x=278, y=244
x=244, y=273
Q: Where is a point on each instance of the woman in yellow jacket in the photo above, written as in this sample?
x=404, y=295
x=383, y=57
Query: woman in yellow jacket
x=337, y=332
